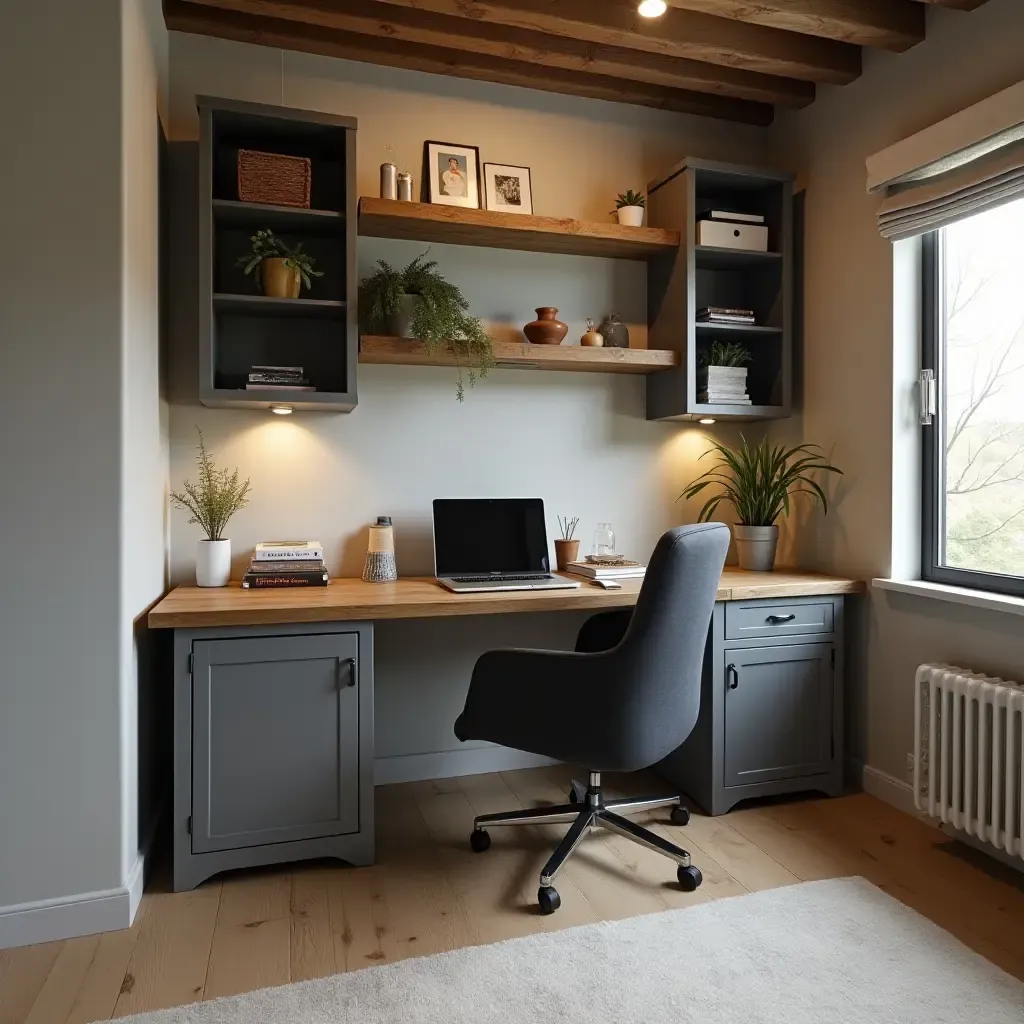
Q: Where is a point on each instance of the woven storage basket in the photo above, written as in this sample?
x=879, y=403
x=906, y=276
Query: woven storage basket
x=273, y=178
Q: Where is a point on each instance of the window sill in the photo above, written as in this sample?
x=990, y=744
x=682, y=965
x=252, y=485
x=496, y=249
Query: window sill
x=955, y=595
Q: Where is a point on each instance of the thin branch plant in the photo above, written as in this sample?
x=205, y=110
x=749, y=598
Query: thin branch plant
x=214, y=498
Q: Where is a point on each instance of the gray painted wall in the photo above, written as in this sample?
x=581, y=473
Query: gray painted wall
x=60, y=379
x=856, y=379
x=578, y=440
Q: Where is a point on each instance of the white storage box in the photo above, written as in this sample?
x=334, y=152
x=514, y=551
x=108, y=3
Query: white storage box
x=727, y=235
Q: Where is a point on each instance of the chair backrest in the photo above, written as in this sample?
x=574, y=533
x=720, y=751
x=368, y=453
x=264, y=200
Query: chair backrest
x=655, y=683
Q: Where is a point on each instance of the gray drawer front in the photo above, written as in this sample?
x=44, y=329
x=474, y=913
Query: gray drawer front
x=748, y=619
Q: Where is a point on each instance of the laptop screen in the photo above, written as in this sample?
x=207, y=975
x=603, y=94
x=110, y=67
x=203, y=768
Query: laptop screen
x=481, y=536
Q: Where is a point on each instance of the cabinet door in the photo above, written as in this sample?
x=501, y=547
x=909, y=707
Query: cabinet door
x=275, y=740
x=778, y=712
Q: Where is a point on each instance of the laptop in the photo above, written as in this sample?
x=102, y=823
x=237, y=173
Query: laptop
x=484, y=544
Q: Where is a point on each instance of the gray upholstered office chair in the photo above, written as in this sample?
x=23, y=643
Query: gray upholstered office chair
x=627, y=696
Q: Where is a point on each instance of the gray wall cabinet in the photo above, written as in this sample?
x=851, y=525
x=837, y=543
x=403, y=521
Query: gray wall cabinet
x=771, y=704
x=273, y=747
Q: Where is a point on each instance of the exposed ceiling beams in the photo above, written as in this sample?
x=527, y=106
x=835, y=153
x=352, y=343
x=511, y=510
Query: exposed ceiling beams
x=733, y=59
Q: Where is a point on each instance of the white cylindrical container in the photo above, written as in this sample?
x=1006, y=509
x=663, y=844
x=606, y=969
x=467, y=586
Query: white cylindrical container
x=388, y=181
x=631, y=216
x=380, y=565
x=213, y=563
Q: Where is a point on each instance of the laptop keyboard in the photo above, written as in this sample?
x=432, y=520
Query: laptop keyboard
x=502, y=579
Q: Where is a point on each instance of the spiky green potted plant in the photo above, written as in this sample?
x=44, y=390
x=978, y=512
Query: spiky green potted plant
x=629, y=208
x=284, y=268
x=758, y=482
x=215, y=497
x=417, y=302
x=722, y=373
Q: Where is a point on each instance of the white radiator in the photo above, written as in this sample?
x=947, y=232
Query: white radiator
x=969, y=754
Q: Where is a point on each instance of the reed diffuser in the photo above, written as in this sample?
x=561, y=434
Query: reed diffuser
x=567, y=549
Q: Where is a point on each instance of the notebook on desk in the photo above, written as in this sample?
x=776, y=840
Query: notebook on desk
x=488, y=544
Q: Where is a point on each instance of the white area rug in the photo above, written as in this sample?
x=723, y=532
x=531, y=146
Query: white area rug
x=836, y=951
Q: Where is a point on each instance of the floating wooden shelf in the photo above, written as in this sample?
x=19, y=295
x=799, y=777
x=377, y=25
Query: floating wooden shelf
x=426, y=222
x=282, y=307
x=408, y=352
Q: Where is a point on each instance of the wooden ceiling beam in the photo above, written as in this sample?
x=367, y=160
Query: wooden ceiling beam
x=188, y=16
x=425, y=28
x=884, y=24
x=677, y=33
x=957, y=5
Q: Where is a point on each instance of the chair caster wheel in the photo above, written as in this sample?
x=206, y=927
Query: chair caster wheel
x=548, y=899
x=689, y=878
x=480, y=840
x=680, y=815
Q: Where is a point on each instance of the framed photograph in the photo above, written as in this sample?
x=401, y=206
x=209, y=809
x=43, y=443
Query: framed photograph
x=453, y=174
x=507, y=189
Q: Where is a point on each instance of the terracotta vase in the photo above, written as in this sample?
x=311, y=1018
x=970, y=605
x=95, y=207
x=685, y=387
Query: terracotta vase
x=566, y=551
x=279, y=281
x=547, y=329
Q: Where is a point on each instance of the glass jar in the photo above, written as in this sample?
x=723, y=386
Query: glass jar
x=604, y=539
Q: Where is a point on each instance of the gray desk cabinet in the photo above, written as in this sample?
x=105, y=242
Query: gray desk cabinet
x=273, y=747
x=770, y=720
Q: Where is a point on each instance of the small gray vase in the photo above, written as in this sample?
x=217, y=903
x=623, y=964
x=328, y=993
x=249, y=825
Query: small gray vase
x=755, y=547
x=400, y=323
x=614, y=332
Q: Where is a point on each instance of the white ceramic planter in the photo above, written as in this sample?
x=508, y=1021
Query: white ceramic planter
x=631, y=216
x=755, y=547
x=213, y=563
x=400, y=323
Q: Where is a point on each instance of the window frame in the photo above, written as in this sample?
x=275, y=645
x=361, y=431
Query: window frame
x=933, y=351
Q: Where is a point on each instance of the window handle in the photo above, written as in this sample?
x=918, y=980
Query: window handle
x=928, y=395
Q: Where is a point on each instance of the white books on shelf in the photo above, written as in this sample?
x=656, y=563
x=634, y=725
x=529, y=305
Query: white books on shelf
x=743, y=218
x=288, y=550
x=705, y=399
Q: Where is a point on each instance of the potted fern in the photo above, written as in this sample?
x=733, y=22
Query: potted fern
x=417, y=302
x=284, y=268
x=629, y=208
x=211, y=502
x=758, y=482
x=722, y=374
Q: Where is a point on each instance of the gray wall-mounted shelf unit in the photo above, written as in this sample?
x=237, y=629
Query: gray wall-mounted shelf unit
x=699, y=275
x=238, y=326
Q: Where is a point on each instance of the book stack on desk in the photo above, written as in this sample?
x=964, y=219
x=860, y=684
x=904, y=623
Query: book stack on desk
x=286, y=564
x=607, y=569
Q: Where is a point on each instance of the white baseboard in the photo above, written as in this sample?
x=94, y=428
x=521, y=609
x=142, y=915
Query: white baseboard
x=889, y=790
x=448, y=764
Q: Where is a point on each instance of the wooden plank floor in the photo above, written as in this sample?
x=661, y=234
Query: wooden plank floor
x=429, y=893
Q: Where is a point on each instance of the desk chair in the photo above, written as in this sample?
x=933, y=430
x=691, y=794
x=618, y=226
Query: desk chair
x=624, y=699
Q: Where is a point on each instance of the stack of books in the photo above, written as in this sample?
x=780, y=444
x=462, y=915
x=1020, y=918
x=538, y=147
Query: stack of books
x=277, y=378
x=722, y=385
x=725, y=315
x=607, y=569
x=286, y=564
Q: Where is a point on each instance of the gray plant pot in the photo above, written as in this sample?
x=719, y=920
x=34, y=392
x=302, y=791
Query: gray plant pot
x=400, y=323
x=755, y=546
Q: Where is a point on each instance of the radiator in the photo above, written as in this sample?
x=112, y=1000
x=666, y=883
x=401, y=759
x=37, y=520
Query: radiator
x=969, y=754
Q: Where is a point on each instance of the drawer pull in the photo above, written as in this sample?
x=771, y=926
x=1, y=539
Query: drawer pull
x=778, y=620
x=349, y=663
x=732, y=677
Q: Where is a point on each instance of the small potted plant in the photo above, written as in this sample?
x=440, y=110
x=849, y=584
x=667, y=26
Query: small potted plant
x=629, y=208
x=758, y=481
x=722, y=371
x=567, y=549
x=211, y=502
x=417, y=302
x=284, y=269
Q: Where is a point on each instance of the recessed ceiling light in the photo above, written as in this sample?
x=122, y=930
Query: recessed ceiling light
x=281, y=410
x=651, y=8
x=707, y=421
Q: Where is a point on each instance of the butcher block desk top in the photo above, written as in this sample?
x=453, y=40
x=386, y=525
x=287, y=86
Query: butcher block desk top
x=352, y=600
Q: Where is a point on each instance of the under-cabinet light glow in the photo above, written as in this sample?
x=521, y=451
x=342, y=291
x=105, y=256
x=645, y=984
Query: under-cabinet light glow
x=282, y=410
x=651, y=8
x=706, y=421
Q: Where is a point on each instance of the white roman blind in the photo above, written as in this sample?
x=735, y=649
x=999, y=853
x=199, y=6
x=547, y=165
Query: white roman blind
x=968, y=163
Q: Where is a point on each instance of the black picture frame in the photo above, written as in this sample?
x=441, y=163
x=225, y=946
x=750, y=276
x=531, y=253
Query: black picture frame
x=492, y=200
x=434, y=185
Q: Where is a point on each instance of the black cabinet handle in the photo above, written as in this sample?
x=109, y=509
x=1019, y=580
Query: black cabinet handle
x=777, y=620
x=732, y=677
x=351, y=663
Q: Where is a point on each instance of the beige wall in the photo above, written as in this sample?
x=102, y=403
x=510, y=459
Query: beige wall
x=578, y=440
x=857, y=383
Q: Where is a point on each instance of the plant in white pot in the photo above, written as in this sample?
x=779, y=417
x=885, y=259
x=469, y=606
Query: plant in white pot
x=629, y=208
x=212, y=501
x=758, y=481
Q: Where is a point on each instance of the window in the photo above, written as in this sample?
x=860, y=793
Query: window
x=974, y=447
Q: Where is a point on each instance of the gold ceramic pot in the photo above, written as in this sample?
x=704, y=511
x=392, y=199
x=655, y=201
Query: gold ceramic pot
x=279, y=281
